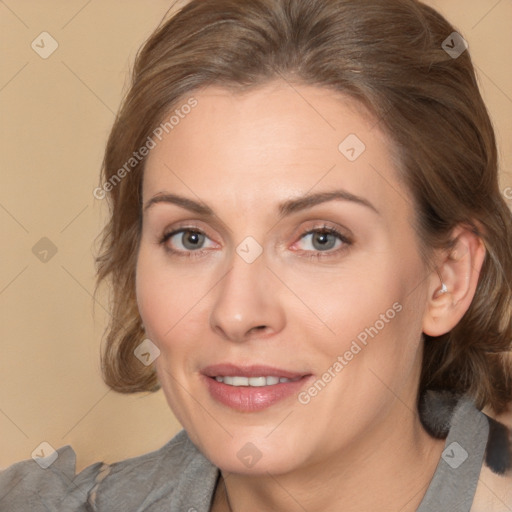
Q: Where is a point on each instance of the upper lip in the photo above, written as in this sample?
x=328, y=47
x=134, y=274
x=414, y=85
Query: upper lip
x=231, y=370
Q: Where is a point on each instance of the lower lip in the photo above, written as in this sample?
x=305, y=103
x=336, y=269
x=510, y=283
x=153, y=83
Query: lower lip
x=252, y=398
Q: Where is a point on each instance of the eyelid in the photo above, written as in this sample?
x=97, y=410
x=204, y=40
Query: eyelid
x=184, y=227
x=346, y=239
x=319, y=225
x=187, y=226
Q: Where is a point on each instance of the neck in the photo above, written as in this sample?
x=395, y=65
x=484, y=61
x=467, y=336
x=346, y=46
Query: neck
x=387, y=469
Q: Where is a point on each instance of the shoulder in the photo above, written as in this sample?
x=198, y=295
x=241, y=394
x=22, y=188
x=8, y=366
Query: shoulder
x=147, y=482
x=494, y=490
x=493, y=493
x=41, y=485
x=175, y=477
x=474, y=472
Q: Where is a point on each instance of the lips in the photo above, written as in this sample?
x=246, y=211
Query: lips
x=251, y=388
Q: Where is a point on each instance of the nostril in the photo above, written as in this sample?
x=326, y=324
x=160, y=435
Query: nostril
x=258, y=328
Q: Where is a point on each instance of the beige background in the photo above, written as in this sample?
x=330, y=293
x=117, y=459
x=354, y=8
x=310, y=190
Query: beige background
x=55, y=117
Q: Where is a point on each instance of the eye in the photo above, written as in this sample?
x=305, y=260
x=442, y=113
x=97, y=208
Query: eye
x=325, y=239
x=185, y=240
x=321, y=240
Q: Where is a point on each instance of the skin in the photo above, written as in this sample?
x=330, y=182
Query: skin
x=359, y=442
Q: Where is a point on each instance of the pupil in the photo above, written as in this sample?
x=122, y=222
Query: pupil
x=192, y=240
x=323, y=239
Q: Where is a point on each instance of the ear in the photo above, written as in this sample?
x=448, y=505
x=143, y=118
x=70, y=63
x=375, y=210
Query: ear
x=459, y=268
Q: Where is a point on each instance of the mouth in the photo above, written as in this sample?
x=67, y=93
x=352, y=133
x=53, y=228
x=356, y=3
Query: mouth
x=252, y=388
x=256, y=382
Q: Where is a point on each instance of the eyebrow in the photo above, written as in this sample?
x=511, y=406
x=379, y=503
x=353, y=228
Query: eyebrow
x=286, y=208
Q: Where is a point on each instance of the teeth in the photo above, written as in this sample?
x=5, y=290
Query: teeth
x=252, y=381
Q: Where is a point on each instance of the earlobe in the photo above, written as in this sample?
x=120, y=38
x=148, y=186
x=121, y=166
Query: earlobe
x=453, y=285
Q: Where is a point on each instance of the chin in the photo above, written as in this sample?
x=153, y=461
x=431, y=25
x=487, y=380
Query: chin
x=252, y=454
x=276, y=463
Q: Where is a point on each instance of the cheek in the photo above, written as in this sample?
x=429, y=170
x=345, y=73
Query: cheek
x=373, y=319
x=172, y=303
x=164, y=304
x=152, y=299
x=161, y=299
x=347, y=302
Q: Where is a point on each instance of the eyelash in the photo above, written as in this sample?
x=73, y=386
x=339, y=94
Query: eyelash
x=316, y=255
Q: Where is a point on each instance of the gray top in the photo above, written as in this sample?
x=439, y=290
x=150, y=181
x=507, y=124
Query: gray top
x=178, y=478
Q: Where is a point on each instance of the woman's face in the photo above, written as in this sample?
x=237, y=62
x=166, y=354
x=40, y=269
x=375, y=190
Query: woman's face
x=242, y=280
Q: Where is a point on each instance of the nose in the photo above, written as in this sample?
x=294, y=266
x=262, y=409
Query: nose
x=248, y=303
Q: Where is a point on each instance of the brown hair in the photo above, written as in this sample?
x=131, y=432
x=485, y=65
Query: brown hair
x=388, y=55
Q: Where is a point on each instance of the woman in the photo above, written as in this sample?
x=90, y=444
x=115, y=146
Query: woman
x=310, y=255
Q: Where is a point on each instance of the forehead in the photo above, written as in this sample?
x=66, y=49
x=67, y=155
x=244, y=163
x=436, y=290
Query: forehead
x=270, y=143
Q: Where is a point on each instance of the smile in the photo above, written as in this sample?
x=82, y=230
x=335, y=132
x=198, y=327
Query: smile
x=253, y=381
x=252, y=388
